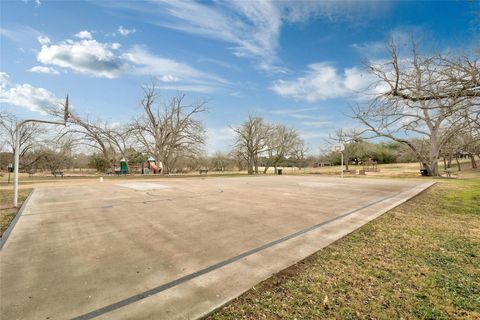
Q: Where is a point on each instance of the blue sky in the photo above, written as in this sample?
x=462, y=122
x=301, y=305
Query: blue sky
x=299, y=63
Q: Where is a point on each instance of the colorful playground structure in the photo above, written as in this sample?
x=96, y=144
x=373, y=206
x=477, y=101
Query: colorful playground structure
x=149, y=167
x=152, y=167
x=123, y=168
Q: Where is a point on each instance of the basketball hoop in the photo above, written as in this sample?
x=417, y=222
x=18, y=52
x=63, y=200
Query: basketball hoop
x=338, y=147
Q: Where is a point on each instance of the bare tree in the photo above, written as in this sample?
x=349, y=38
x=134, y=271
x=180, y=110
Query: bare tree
x=425, y=96
x=452, y=78
x=29, y=134
x=171, y=130
x=93, y=134
x=298, y=154
x=251, y=140
x=220, y=161
x=281, y=142
x=119, y=140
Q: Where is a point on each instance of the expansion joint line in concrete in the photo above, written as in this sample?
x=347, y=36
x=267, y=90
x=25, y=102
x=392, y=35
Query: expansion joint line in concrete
x=171, y=284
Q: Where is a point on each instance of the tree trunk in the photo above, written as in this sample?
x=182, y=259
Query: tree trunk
x=458, y=164
x=250, y=164
x=434, y=168
x=472, y=159
x=444, y=163
x=433, y=157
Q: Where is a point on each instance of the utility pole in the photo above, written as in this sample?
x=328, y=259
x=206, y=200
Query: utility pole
x=17, y=147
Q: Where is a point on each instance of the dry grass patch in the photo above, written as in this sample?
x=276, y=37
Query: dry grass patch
x=7, y=211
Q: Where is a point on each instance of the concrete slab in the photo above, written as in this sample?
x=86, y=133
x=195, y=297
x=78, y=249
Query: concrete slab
x=105, y=251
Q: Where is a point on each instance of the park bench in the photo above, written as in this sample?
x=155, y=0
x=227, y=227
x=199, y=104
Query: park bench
x=57, y=173
x=202, y=171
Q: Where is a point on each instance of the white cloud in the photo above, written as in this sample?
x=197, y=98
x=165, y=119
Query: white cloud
x=43, y=40
x=322, y=81
x=26, y=96
x=125, y=32
x=84, y=56
x=41, y=69
x=84, y=35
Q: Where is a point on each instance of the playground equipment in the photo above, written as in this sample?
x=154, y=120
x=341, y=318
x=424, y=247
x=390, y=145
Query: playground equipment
x=123, y=169
x=152, y=166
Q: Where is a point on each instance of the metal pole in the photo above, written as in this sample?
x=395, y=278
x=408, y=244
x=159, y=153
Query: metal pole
x=16, y=165
x=342, y=163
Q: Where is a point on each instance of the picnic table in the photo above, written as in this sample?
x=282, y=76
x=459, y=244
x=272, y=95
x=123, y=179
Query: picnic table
x=57, y=173
x=202, y=171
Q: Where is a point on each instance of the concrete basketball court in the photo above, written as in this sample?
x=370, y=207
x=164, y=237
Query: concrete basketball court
x=174, y=248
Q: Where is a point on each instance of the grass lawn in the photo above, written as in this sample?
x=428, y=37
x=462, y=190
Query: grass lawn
x=421, y=260
x=7, y=211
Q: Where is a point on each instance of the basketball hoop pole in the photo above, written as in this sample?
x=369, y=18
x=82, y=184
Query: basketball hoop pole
x=18, y=129
x=342, y=162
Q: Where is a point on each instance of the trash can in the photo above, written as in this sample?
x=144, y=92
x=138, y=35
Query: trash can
x=424, y=172
x=279, y=172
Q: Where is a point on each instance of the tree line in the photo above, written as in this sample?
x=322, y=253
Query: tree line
x=420, y=107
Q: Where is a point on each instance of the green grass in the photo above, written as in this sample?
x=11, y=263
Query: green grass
x=420, y=260
x=7, y=211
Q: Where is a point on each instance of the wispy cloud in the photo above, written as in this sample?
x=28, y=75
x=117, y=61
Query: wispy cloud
x=167, y=70
x=371, y=48
x=308, y=117
x=317, y=124
x=252, y=27
x=20, y=34
x=292, y=111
